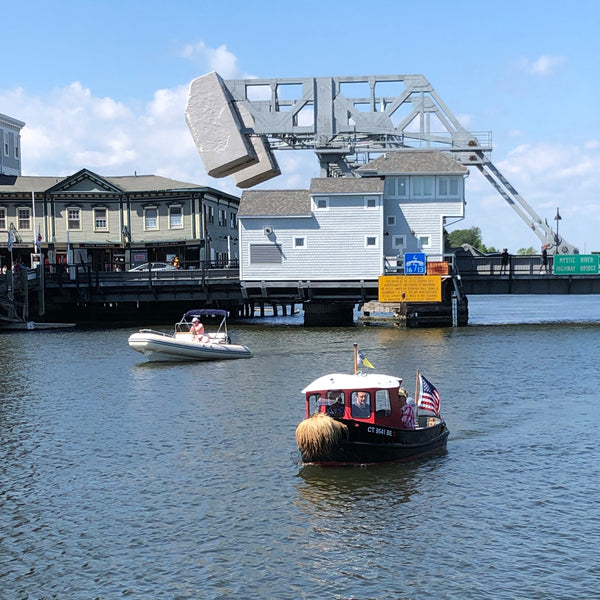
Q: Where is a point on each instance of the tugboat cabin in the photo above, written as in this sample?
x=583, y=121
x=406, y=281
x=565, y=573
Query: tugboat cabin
x=370, y=398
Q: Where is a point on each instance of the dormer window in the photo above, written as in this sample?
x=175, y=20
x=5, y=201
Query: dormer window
x=321, y=203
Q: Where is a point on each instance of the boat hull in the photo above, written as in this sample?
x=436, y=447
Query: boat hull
x=161, y=347
x=370, y=444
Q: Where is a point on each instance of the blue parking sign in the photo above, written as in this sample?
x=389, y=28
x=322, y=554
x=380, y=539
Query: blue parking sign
x=415, y=263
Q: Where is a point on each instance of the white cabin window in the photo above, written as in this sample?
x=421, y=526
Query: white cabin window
x=299, y=242
x=321, y=203
x=422, y=186
x=2, y=218
x=383, y=406
x=175, y=217
x=100, y=220
x=448, y=186
x=24, y=218
x=399, y=242
x=150, y=218
x=371, y=241
x=371, y=202
x=396, y=187
x=391, y=221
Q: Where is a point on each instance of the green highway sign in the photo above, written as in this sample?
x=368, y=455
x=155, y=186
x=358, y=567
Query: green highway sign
x=576, y=264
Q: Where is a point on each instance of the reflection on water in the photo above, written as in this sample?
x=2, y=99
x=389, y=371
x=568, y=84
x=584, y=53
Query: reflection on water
x=120, y=477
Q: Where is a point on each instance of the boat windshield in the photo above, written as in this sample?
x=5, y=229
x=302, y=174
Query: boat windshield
x=330, y=402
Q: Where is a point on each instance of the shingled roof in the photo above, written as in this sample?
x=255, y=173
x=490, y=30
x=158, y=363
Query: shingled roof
x=415, y=162
x=279, y=203
x=346, y=185
x=127, y=183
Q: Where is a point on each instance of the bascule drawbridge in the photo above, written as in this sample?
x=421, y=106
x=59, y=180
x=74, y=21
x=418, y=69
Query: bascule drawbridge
x=346, y=121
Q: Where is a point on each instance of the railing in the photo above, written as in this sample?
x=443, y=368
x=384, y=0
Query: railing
x=64, y=273
x=470, y=266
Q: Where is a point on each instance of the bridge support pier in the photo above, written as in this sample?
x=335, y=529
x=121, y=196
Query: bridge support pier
x=333, y=314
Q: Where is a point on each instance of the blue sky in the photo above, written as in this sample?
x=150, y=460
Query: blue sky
x=103, y=86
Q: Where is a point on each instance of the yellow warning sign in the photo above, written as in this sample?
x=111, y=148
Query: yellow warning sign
x=410, y=288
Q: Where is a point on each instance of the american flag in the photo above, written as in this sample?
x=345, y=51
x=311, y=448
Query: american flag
x=429, y=397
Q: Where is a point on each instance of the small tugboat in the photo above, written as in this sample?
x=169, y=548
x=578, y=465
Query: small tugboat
x=369, y=418
x=190, y=341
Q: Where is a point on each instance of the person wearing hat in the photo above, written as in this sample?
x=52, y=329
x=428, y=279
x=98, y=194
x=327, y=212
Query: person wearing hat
x=197, y=329
x=408, y=410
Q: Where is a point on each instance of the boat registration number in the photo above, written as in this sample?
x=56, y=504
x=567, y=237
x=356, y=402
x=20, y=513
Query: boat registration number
x=380, y=431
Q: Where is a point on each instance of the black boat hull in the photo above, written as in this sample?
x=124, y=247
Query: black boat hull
x=369, y=444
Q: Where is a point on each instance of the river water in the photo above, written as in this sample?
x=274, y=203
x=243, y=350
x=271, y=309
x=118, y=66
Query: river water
x=121, y=478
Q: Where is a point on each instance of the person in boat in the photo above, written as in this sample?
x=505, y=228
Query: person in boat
x=408, y=410
x=197, y=329
x=335, y=404
x=361, y=405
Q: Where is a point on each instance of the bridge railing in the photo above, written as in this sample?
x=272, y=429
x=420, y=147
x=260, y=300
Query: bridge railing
x=492, y=265
x=83, y=274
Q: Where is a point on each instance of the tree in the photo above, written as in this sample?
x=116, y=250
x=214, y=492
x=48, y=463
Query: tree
x=471, y=236
x=526, y=251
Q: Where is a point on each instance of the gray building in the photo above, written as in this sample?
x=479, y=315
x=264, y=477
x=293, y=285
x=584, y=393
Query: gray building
x=117, y=222
x=10, y=138
x=352, y=228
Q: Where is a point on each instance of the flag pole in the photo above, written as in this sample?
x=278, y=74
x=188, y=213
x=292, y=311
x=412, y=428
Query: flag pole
x=417, y=388
x=355, y=359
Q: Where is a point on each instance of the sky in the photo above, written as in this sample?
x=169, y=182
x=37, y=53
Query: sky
x=103, y=85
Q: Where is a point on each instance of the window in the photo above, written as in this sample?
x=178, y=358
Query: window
x=371, y=202
x=299, y=242
x=396, y=187
x=399, y=241
x=422, y=186
x=448, y=186
x=233, y=220
x=150, y=218
x=222, y=217
x=73, y=219
x=371, y=241
x=424, y=241
x=100, y=221
x=24, y=218
x=175, y=217
x=383, y=406
x=265, y=254
x=2, y=218
x=5, y=136
x=321, y=203
x=361, y=405
x=210, y=214
x=391, y=221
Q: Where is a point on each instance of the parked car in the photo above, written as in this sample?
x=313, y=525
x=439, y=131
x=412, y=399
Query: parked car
x=155, y=266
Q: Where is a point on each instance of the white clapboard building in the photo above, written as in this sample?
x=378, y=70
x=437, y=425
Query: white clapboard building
x=352, y=228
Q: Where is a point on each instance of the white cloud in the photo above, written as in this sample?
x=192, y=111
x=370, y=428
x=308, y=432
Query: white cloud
x=218, y=59
x=544, y=65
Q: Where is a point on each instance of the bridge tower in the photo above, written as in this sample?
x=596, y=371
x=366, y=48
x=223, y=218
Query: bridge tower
x=346, y=121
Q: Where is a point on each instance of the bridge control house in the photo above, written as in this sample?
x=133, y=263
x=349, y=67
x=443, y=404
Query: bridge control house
x=352, y=228
x=115, y=223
